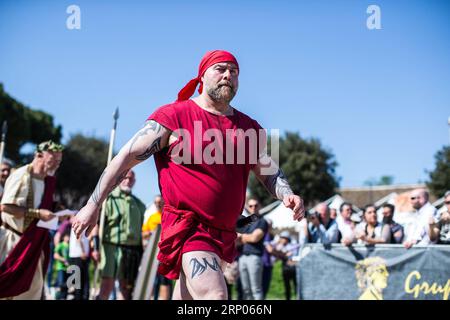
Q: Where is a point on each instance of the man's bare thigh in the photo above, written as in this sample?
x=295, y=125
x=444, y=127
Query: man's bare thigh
x=203, y=272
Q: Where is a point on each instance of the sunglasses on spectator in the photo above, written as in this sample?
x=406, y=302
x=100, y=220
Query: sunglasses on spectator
x=414, y=198
x=447, y=202
x=252, y=205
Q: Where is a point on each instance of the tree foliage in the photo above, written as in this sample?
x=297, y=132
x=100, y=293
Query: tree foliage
x=440, y=177
x=84, y=158
x=310, y=170
x=83, y=162
x=383, y=181
x=25, y=125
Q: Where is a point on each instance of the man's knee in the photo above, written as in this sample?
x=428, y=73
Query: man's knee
x=207, y=290
x=214, y=294
x=217, y=296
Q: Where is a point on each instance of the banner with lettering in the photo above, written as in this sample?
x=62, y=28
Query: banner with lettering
x=383, y=272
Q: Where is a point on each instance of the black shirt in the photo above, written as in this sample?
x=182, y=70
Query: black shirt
x=258, y=247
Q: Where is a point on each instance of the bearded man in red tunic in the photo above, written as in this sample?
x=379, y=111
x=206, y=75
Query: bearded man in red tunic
x=204, y=151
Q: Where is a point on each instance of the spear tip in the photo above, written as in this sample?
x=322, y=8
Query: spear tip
x=4, y=127
x=116, y=114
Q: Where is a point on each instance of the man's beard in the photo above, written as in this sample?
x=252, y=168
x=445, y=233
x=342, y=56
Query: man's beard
x=387, y=220
x=50, y=168
x=223, y=92
x=127, y=190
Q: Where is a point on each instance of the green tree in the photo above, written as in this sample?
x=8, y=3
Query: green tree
x=25, y=125
x=310, y=170
x=440, y=177
x=84, y=160
x=383, y=181
x=386, y=180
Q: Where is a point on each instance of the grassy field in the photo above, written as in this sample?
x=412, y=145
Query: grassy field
x=276, y=290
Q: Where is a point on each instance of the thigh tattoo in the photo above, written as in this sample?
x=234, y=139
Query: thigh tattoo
x=198, y=268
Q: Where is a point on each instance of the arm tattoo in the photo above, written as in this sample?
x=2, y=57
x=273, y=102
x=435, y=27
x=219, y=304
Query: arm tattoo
x=155, y=147
x=96, y=194
x=278, y=185
x=150, y=125
x=119, y=179
x=198, y=268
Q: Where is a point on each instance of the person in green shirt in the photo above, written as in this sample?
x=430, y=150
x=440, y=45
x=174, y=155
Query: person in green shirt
x=121, y=249
x=61, y=256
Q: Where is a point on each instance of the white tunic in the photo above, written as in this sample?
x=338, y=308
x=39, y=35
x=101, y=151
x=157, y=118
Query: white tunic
x=16, y=192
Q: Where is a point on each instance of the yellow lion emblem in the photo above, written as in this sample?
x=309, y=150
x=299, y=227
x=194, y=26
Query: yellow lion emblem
x=372, y=276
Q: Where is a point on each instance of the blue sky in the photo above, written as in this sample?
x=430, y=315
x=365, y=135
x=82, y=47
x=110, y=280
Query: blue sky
x=377, y=99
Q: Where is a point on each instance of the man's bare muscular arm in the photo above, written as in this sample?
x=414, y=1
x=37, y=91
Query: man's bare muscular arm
x=278, y=186
x=147, y=141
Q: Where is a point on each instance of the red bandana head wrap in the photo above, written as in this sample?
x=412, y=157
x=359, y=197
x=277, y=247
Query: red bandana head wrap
x=210, y=58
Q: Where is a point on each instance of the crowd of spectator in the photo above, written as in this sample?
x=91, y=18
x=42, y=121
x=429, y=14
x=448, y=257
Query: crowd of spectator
x=259, y=248
x=425, y=224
